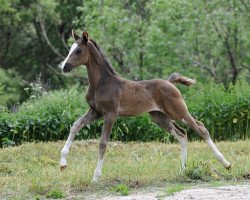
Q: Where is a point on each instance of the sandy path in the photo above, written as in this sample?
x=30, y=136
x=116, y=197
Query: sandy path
x=241, y=192
x=235, y=192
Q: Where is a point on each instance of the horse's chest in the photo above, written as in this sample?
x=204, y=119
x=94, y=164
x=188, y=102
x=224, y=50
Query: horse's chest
x=90, y=97
x=92, y=103
x=101, y=103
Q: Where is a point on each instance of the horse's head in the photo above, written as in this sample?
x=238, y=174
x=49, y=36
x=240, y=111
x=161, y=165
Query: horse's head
x=78, y=54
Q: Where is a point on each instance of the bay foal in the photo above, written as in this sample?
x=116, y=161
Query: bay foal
x=110, y=96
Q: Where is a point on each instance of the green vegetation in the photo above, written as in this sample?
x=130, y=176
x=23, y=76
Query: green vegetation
x=121, y=188
x=143, y=39
x=48, y=116
x=55, y=194
x=191, y=37
x=199, y=171
x=12, y=85
x=32, y=169
x=225, y=112
x=42, y=119
x=1, y=88
x=198, y=39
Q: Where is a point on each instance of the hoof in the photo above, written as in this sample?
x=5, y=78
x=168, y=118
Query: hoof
x=63, y=167
x=228, y=167
x=95, y=180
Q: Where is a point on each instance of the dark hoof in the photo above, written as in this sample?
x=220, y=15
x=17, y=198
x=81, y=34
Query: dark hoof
x=63, y=167
x=229, y=167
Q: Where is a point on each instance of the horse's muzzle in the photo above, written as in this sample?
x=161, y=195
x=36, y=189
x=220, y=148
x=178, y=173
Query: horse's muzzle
x=67, y=67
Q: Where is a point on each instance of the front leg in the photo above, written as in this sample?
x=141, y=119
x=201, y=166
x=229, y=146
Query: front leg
x=109, y=119
x=87, y=118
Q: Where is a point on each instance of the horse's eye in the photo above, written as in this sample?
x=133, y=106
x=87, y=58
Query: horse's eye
x=78, y=51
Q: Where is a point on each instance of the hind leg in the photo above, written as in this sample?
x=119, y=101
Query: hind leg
x=198, y=127
x=180, y=134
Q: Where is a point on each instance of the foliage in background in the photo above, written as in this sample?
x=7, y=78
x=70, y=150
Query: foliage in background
x=12, y=85
x=210, y=35
x=226, y=114
x=153, y=38
x=1, y=88
x=143, y=39
x=34, y=40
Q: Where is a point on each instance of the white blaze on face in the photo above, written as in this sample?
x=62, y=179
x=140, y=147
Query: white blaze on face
x=73, y=47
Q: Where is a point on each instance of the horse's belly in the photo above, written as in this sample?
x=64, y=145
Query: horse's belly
x=137, y=98
x=136, y=109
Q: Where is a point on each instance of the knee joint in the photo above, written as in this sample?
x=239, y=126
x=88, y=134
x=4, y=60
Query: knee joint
x=111, y=117
x=103, y=144
x=78, y=124
x=204, y=133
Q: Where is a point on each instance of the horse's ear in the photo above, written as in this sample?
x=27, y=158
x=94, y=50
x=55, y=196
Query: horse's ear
x=85, y=36
x=74, y=35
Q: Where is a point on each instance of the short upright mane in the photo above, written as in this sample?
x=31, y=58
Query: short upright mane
x=107, y=63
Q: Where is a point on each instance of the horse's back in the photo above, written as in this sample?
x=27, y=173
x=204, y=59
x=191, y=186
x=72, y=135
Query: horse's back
x=138, y=97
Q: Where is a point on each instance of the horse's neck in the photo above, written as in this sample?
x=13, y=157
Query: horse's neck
x=97, y=73
x=93, y=74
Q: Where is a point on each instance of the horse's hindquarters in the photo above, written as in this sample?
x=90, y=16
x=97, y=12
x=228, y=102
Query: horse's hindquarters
x=171, y=102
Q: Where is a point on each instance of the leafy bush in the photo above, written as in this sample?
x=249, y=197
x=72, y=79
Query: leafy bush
x=47, y=118
x=225, y=113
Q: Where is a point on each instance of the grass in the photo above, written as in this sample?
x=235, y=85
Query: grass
x=31, y=171
x=171, y=190
x=121, y=188
x=55, y=194
x=175, y=188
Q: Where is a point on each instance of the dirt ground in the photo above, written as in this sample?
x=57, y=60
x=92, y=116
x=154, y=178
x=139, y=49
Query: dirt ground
x=241, y=192
x=234, y=192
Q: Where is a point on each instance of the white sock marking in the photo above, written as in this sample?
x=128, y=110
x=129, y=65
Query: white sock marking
x=217, y=153
x=74, y=129
x=73, y=47
x=183, y=143
x=98, y=170
x=65, y=152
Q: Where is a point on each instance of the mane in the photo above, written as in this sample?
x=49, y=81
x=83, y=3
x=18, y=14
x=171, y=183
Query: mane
x=104, y=57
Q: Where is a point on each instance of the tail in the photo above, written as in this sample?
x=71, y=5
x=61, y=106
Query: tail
x=178, y=78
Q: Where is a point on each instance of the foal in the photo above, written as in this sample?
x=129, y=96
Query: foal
x=110, y=96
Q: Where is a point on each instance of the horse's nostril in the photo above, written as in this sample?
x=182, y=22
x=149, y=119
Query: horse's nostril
x=67, y=67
